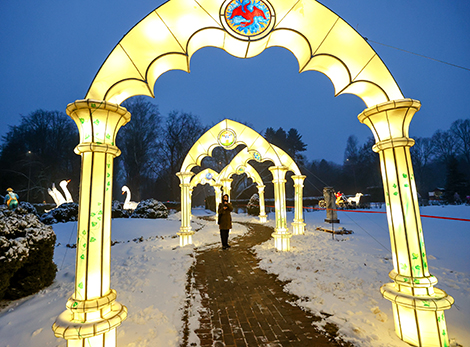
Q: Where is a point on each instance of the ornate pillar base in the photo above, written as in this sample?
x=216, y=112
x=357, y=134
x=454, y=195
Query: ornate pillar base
x=281, y=239
x=186, y=236
x=298, y=227
x=263, y=218
x=419, y=318
x=90, y=322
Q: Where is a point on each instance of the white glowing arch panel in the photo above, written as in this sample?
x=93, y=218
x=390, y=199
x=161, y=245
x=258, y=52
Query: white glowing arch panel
x=167, y=38
x=206, y=176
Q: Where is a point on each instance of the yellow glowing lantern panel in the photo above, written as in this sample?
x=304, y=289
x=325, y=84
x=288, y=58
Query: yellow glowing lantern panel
x=319, y=39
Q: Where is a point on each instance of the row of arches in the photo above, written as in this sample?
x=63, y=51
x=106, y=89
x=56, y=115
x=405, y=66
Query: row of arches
x=229, y=134
x=165, y=40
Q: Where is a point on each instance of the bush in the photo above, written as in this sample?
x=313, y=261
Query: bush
x=253, y=205
x=26, y=254
x=150, y=208
x=67, y=212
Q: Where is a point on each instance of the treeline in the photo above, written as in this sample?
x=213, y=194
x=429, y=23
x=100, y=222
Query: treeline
x=39, y=151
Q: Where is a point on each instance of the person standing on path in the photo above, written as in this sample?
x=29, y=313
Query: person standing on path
x=224, y=220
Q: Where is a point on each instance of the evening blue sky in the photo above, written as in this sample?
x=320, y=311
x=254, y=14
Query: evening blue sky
x=51, y=50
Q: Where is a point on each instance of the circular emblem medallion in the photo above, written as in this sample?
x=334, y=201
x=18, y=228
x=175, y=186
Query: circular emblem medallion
x=257, y=156
x=241, y=170
x=208, y=176
x=227, y=138
x=248, y=19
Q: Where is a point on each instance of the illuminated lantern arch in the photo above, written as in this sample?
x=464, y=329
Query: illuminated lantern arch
x=241, y=160
x=321, y=41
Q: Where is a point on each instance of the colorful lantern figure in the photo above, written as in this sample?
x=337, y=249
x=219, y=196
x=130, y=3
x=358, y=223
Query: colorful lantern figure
x=11, y=199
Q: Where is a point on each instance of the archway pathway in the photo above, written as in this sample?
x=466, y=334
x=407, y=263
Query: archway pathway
x=244, y=305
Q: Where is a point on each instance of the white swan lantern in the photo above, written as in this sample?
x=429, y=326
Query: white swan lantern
x=128, y=204
x=57, y=195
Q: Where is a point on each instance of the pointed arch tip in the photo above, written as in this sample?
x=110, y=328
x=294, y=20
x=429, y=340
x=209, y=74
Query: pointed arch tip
x=307, y=29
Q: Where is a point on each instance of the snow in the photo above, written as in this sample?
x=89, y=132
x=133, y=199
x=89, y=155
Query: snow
x=342, y=276
x=339, y=277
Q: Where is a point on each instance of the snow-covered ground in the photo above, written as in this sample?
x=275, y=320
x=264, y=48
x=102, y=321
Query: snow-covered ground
x=339, y=277
x=149, y=276
x=342, y=276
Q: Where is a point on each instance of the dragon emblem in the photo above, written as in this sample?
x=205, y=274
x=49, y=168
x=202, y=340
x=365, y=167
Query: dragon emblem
x=248, y=17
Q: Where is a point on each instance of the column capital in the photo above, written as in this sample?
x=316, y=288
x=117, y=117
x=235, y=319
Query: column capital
x=279, y=173
x=98, y=122
x=390, y=122
x=185, y=177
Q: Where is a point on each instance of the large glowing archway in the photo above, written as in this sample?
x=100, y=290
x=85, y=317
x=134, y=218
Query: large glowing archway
x=217, y=181
x=321, y=41
x=229, y=134
x=240, y=161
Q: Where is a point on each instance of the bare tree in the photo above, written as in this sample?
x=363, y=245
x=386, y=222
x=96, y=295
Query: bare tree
x=181, y=131
x=461, y=130
x=445, y=144
x=139, y=141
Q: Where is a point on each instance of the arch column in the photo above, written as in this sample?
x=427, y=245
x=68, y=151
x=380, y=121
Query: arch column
x=262, y=209
x=93, y=314
x=227, y=185
x=418, y=306
x=185, y=233
x=298, y=226
x=281, y=235
x=218, y=197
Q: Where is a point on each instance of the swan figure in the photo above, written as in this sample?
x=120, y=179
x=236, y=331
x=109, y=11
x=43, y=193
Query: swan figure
x=128, y=204
x=57, y=195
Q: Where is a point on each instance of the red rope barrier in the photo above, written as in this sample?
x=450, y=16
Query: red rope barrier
x=381, y=212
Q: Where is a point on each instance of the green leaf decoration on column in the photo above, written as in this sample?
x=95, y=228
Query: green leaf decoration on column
x=403, y=267
x=108, y=136
x=416, y=281
x=92, y=239
x=414, y=255
x=82, y=257
x=396, y=193
x=108, y=175
x=80, y=285
x=406, y=185
x=75, y=304
x=84, y=245
x=93, y=224
x=92, y=214
x=394, y=185
x=82, y=120
x=405, y=175
x=84, y=232
x=108, y=165
x=96, y=122
x=426, y=303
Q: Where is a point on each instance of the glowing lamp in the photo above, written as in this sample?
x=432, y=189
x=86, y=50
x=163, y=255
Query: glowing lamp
x=93, y=314
x=418, y=307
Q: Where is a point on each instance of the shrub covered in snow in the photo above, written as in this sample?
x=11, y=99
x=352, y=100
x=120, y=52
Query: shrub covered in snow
x=26, y=253
x=67, y=212
x=150, y=208
x=118, y=211
x=253, y=205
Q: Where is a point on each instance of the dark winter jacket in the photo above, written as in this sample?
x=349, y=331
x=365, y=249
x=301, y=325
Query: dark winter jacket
x=225, y=219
